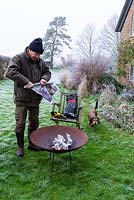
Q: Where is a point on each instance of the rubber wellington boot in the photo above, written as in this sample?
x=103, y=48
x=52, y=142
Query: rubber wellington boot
x=20, y=142
x=32, y=146
x=20, y=151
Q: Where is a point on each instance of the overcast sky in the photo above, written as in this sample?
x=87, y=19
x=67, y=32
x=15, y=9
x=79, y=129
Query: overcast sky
x=22, y=21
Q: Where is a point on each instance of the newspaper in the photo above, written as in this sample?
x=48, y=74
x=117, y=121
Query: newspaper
x=47, y=91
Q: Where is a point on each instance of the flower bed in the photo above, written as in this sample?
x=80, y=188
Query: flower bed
x=122, y=118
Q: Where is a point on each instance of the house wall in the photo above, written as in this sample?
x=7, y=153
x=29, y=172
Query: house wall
x=126, y=81
x=126, y=32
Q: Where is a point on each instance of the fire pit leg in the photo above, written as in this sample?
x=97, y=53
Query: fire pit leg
x=52, y=160
x=70, y=158
x=50, y=155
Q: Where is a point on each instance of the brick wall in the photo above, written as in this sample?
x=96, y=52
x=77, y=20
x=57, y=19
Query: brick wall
x=125, y=80
x=126, y=33
x=127, y=27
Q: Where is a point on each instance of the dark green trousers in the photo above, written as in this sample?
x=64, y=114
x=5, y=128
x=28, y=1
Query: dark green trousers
x=21, y=114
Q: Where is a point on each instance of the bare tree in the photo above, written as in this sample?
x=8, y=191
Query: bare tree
x=109, y=39
x=87, y=42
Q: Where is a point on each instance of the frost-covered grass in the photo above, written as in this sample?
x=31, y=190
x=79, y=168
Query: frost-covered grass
x=101, y=170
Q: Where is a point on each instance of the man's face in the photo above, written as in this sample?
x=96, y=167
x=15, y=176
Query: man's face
x=33, y=55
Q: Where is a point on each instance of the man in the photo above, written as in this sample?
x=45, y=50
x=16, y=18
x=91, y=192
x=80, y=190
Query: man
x=25, y=69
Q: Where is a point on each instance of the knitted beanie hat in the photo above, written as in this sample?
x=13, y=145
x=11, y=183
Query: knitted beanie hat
x=36, y=45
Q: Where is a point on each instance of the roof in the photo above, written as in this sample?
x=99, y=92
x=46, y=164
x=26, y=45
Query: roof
x=123, y=15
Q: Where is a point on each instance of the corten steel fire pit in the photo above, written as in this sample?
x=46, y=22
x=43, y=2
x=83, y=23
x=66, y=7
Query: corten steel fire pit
x=44, y=137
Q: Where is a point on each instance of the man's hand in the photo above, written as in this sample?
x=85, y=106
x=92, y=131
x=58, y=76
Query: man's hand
x=29, y=85
x=43, y=81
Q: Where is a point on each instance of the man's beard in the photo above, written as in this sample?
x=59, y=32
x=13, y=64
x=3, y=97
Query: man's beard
x=35, y=59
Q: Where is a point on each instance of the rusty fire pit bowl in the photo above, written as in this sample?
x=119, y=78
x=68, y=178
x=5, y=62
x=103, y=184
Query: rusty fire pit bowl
x=44, y=137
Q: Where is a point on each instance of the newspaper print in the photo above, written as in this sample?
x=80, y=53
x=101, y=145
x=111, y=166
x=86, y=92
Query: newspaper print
x=47, y=91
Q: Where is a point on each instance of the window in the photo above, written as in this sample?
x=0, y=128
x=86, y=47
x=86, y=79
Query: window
x=131, y=73
x=132, y=33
